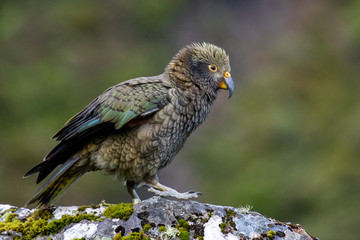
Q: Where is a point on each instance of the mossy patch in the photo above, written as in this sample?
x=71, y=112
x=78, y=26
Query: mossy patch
x=82, y=208
x=228, y=225
x=56, y=225
x=133, y=236
x=38, y=223
x=183, y=227
x=230, y=212
x=122, y=211
x=117, y=236
x=183, y=233
x=147, y=227
x=183, y=223
x=92, y=206
x=270, y=234
x=10, y=217
x=8, y=211
x=162, y=229
x=222, y=226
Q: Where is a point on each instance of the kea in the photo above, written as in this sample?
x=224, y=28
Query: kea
x=136, y=127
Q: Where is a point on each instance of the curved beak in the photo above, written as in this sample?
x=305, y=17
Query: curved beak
x=227, y=83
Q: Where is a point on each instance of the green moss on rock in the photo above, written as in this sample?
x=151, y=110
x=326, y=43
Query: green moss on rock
x=92, y=206
x=147, y=227
x=270, y=234
x=117, y=236
x=122, y=211
x=183, y=234
x=133, y=236
x=8, y=211
x=222, y=226
x=183, y=223
x=162, y=229
x=82, y=208
x=56, y=225
x=38, y=223
x=230, y=212
x=10, y=217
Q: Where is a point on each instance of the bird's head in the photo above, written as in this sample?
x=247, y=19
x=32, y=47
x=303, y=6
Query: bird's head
x=204, y=65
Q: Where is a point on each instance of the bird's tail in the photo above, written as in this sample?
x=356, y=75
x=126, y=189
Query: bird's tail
x=56, y=185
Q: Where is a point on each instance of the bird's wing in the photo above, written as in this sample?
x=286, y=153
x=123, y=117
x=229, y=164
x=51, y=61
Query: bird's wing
x=117, y=106
x=128, y=102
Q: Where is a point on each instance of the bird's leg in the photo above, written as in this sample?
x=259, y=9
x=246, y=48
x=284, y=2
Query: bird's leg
x=131, y=186
x=165, y=191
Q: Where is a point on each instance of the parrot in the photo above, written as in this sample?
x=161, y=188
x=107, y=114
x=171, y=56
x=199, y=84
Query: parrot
x=135, y=128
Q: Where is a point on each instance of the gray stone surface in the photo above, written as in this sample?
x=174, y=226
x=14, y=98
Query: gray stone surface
x=201, y=220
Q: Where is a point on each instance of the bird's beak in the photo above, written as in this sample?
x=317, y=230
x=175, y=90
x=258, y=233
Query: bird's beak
x=227, y=83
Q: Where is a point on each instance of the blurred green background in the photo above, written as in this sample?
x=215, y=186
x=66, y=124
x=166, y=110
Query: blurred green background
x=286, y=143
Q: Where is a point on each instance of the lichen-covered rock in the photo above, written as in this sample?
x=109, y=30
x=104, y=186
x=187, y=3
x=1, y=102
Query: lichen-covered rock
x=155, y=218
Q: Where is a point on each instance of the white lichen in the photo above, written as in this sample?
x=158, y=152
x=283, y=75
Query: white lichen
x=245, y=210
x=170, y=233
x=81, y=230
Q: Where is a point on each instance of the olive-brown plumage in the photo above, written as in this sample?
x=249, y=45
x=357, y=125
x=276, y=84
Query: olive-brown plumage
x=137, y=127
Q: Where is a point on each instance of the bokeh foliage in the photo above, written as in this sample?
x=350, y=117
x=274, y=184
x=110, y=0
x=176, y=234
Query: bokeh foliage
x=287, y=142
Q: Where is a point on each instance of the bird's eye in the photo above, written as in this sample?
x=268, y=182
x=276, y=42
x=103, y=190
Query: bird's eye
x=213, y=68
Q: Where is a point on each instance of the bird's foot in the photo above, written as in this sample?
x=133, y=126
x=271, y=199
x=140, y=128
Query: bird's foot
x=131, y=186
x=175, y=194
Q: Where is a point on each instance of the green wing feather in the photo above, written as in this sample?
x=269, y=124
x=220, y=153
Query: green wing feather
x=117, y=106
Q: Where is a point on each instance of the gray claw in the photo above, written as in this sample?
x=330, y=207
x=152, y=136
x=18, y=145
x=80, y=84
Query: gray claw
x=194, y=192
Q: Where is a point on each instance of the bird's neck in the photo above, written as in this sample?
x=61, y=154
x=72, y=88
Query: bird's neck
x=179, y=74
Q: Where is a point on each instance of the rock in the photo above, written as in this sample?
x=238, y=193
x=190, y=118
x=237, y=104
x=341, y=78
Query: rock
x=155, y=218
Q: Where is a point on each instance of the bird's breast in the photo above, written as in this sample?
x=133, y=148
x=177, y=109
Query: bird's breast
x=165, y=134
x=143, y=149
